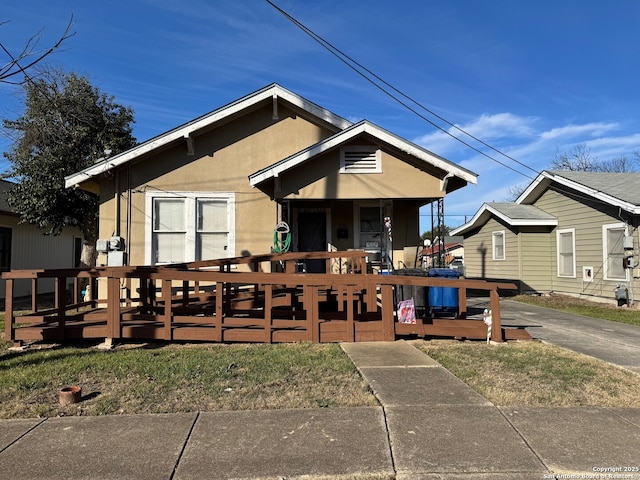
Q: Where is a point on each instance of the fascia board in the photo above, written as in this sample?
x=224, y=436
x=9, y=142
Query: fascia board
x=599, y=195
x=202, y=122
x=486, y=211
x=476, y=219
x=352, y=132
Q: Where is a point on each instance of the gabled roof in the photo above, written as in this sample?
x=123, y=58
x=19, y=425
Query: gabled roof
x=435, y=248
x=616, y=189
x=378, y=133
x=511, y=213
x=184, y=132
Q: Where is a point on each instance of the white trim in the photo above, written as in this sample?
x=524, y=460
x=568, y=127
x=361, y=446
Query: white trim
x=187, y=130
x=602, y=196
x=605, y=251
x=352, y=132
x=190, y=221
x=494, y=234
x=486, y=210
x=563, y=231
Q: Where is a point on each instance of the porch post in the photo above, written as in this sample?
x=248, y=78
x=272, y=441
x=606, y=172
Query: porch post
x=496, y=325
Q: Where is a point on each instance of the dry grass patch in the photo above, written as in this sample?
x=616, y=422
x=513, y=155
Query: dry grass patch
x=535, y=374
x=179, y=378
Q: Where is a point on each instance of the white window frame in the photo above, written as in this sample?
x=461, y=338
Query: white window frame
x=191, y=218
x=559, y=234
x=494, y=235
x=605, y=251
x=372, y=150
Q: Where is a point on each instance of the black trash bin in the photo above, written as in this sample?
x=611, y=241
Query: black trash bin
x=406, y=292
x=443, y=299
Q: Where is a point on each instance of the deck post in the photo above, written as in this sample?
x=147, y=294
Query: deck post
x=268, y=319
x=496, y=324
x=60, y=304
x=166, y=316
x=113, y=308
x=9, y=333
x=219, y=311
x=388, y=326
x=34, y=294
x=351, y=327
x=462, y=302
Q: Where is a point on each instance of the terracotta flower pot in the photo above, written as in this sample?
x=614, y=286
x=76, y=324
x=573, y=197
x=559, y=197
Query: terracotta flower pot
x=69, y=395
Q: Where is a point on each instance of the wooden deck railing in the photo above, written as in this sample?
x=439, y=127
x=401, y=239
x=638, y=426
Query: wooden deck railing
x=211, y=301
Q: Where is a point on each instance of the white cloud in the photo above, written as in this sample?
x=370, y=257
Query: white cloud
x=487, y=128
x=578, y=131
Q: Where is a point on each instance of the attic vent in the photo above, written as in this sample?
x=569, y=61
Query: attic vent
x=360, y=159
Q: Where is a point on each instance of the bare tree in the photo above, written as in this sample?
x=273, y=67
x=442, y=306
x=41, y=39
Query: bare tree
x=20, y=62
x=578, y=160
x=620, y=164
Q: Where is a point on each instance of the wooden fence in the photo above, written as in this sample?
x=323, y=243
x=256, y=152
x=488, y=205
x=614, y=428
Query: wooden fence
x=214, y=301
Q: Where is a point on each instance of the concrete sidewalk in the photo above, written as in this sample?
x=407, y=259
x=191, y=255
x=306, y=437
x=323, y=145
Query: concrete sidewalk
x=430, y=425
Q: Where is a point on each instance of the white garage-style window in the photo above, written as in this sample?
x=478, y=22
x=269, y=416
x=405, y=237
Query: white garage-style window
x=566, y=247
x=497, y=245
x=189, y=226
x=613, y=251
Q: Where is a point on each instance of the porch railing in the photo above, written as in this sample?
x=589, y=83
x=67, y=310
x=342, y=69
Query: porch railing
x=212, y=301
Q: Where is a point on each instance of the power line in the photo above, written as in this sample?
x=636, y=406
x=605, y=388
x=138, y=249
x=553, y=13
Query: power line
x=357, y=67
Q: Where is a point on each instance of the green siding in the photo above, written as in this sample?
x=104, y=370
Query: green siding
x=479, y=261
x=587, y=218
x=537, y=264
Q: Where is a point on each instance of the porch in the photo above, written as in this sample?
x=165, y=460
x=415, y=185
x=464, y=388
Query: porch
x=232, y=300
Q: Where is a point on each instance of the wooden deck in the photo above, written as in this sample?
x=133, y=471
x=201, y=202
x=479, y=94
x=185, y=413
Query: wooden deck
x=213, y=301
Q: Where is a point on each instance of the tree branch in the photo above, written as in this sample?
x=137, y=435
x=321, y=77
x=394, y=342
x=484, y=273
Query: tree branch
x=14, y=67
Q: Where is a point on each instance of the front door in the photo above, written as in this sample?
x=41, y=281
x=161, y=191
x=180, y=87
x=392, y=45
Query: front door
x=312, y=237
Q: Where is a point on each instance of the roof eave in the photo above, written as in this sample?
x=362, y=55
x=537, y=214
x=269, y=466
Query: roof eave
x=350, y=133
x=186, y=130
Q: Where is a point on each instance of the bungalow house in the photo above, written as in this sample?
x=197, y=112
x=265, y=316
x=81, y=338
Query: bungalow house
x=219, y=185
x=569, y=232
x=24, y=246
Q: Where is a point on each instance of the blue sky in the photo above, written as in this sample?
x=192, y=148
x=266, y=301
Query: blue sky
x=529, y=78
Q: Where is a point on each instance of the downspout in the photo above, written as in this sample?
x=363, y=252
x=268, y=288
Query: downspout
x=116, y=230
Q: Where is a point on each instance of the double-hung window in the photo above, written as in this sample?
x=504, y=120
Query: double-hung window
x=497, y=245
x=613, y=251
x=188, y=226
x=566, y=247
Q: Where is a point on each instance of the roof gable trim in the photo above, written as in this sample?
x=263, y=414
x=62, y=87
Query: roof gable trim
x=348, y=134
x=185, y=131
x=550, y=177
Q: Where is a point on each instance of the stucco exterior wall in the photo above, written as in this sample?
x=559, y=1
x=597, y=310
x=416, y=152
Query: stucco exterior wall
x=222, y=161
x=398, y=179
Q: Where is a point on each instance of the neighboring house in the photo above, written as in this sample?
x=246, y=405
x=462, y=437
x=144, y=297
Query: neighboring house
x=24, y=246
x=568, y=232
x=452, y=250
x=218, y=185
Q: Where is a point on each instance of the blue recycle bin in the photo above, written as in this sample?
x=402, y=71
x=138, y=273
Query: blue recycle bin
x=443, y=299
